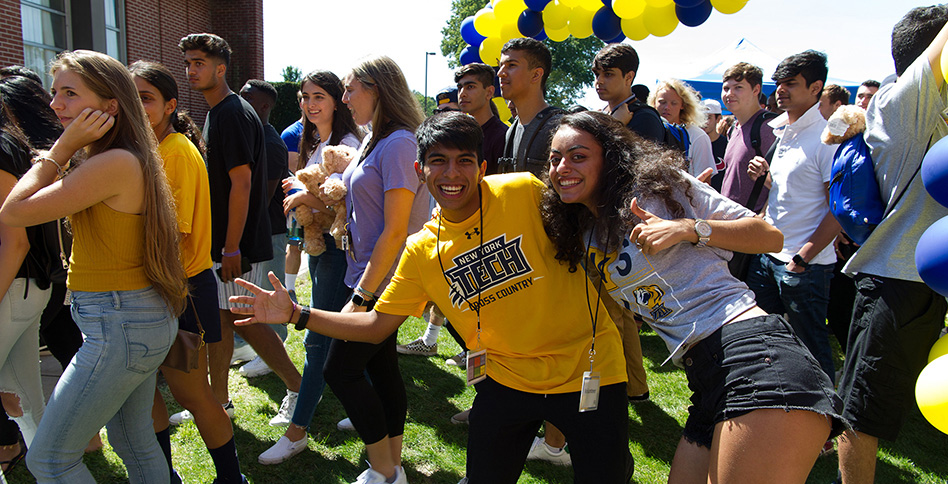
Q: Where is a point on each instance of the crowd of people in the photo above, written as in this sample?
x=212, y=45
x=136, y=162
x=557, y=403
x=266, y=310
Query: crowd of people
x=542, y=247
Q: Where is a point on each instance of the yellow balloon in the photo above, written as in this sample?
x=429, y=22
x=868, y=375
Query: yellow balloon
x=728, y=6
x=944, y=66
x=628, y=8
x=555, y=16
x=660, y=21
x=659, y=3
x=581, y=23
x=507, y=11
x=510, y=31
x=558, y=35
x=569, y=3
x=931, y=393
x=490, y=50
x=503, y=112
x=593, y=5
x=634, y=28
x=940, y=348
x=485, y=23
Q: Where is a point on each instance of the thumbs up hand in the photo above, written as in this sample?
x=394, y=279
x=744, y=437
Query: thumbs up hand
x=655, y=234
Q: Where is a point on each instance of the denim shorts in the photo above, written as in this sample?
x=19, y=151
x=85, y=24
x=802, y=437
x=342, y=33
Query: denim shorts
x=754, y=364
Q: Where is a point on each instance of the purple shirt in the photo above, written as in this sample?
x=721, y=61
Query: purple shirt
x=737, y=185
x=390, y=165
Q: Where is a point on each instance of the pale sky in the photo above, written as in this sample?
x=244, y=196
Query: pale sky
x=322, y=34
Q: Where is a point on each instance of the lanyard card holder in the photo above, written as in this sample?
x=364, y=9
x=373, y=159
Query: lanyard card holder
x=476, y=366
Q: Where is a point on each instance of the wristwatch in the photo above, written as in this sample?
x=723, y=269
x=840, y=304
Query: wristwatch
x=798, y=260
x=361, y=301
x=703, y=229
x=304, y=318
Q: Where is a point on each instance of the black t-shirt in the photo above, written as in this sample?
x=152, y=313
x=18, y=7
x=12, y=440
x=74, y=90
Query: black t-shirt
x=718, y=147
x=277, y=169
x=494, y=131
x=647, y=123
x=234, y=138
x=15, y=160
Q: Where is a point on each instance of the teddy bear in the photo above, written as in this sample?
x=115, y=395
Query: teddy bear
x=847, y=121
x=330, y=191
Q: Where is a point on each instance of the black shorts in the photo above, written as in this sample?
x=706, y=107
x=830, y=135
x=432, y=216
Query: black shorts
x=754, y=364
x=202, y=304
x=895, y=323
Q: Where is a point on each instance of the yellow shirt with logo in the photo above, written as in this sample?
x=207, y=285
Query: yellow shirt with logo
x=187, y=176
x=536, y=317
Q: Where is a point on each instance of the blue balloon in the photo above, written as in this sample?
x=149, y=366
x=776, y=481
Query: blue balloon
x=935, y=171
x=606, y=24
x=536, y=5
x=688, y=3
x=693, y=16
x=616, y=40
x=469, y=55
x=931, y=257
x=530, y=23
x=541, y=36
x=469, y=33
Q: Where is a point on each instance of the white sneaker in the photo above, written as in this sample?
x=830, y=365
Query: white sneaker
x=244, y=353
x=345, y=424
x=184, y=415
x=417, y=347
x=370, y=476
x=282, y=418
x=540, y=450
x=282, y=451
x=256, y=367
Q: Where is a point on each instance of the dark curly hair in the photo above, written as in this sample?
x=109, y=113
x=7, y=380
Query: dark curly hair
x=632, y=167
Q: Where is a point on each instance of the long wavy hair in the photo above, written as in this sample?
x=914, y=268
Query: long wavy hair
x=631, y=167
x=342, y=122
x=691, y=110
x=27, y=105
x=396, y=107
x=109, y=79
x=159, y=76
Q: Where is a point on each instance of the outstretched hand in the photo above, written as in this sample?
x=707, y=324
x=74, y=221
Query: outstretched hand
x=272, y=307
x=88, y=126
x=655, y=234
x=705, y=176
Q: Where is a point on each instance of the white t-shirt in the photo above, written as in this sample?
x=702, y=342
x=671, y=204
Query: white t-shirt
x=349, y=140
x=801, y=167
x=699, y=151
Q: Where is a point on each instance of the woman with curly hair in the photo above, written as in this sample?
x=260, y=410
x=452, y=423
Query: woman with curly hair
x=761, y=406
x=680, y=105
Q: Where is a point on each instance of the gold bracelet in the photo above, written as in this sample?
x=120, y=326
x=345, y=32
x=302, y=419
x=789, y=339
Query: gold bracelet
x=59, y=168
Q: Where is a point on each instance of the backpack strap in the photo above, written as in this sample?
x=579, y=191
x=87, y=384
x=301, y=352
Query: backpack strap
x=759, y=183
x=755, y=130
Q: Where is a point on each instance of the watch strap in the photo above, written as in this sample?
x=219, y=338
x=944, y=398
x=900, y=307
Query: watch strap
x=304, y=318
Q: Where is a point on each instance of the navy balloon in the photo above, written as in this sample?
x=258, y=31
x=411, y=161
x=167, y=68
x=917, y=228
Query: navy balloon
x=688, y=3
x=693, y=16
x=469, y=33
x=606, y=24
x=469, y=55
x=541, y=36
x=935, y=171
x=536, y=5
x=616, y=40
x=931, y=257
x=530, y=23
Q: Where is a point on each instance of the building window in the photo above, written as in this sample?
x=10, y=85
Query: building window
x=44, y=32
x=114, y=29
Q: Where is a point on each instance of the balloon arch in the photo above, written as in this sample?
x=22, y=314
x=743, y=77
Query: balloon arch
x=610, y=20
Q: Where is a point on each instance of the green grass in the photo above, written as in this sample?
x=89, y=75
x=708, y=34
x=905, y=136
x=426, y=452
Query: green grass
x=434, y=449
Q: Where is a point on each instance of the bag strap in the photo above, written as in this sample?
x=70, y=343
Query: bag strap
x=755, y=130
x=905, y=188
x=759, y=184
x=197, y=319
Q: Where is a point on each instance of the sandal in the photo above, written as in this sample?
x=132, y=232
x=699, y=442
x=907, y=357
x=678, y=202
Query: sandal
x=10, y=464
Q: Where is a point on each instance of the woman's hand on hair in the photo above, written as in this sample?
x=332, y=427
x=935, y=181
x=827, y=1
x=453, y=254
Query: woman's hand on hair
x=655, y=234
x=87, y=127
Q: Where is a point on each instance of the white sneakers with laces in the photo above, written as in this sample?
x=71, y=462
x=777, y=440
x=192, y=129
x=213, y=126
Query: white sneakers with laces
x=285, y=414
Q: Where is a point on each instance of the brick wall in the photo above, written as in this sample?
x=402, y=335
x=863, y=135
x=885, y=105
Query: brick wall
x=11, y=33
x=240, y=23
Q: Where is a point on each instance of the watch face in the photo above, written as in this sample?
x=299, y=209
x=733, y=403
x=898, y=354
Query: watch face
x=703, y=228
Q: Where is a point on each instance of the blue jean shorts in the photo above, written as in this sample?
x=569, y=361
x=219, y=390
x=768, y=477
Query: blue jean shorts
x=754, y=364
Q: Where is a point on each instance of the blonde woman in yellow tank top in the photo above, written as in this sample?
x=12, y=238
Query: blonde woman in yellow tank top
x=125, y=274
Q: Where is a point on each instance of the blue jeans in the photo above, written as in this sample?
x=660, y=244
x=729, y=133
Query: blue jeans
x=803, y=297
x=111, y=382
x=327, y=272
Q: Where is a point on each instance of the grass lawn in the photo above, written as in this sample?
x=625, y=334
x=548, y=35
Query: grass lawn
x=434, y=449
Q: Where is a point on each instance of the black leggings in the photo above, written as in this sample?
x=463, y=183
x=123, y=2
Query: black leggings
x=376, y=409
x=59, y=331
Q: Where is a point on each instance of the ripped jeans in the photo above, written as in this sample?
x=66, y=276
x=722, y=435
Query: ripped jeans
x=19, y=351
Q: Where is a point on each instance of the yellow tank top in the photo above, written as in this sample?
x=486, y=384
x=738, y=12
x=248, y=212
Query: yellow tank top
x=107, y=251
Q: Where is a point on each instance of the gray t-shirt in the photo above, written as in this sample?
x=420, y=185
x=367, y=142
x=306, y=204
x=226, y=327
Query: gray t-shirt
x=685, y=292
x=901, y=119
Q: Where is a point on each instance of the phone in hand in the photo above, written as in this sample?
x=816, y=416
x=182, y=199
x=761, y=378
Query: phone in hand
x=244, y=267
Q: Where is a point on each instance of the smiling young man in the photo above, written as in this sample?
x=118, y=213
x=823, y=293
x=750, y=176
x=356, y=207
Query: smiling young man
x=487, y=262
x=795, y=281
x=237, y=176
x=475, y=93
x=614, y=67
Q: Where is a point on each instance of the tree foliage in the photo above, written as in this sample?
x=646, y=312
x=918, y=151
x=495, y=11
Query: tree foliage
x=291, y=74
x=571, y=58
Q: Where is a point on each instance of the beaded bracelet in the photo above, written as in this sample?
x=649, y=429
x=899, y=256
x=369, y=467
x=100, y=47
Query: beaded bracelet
x=39, y=158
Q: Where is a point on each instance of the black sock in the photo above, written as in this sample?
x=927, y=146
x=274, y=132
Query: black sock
x=226, y=463
x=164, y=441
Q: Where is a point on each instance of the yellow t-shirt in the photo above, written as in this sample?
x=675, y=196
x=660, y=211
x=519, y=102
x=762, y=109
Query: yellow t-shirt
x=187, y=176
x=535, y=322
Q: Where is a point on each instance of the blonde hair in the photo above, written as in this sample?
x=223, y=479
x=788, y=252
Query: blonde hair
x=396, y=106
x=691, y=110
x=109, y=79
